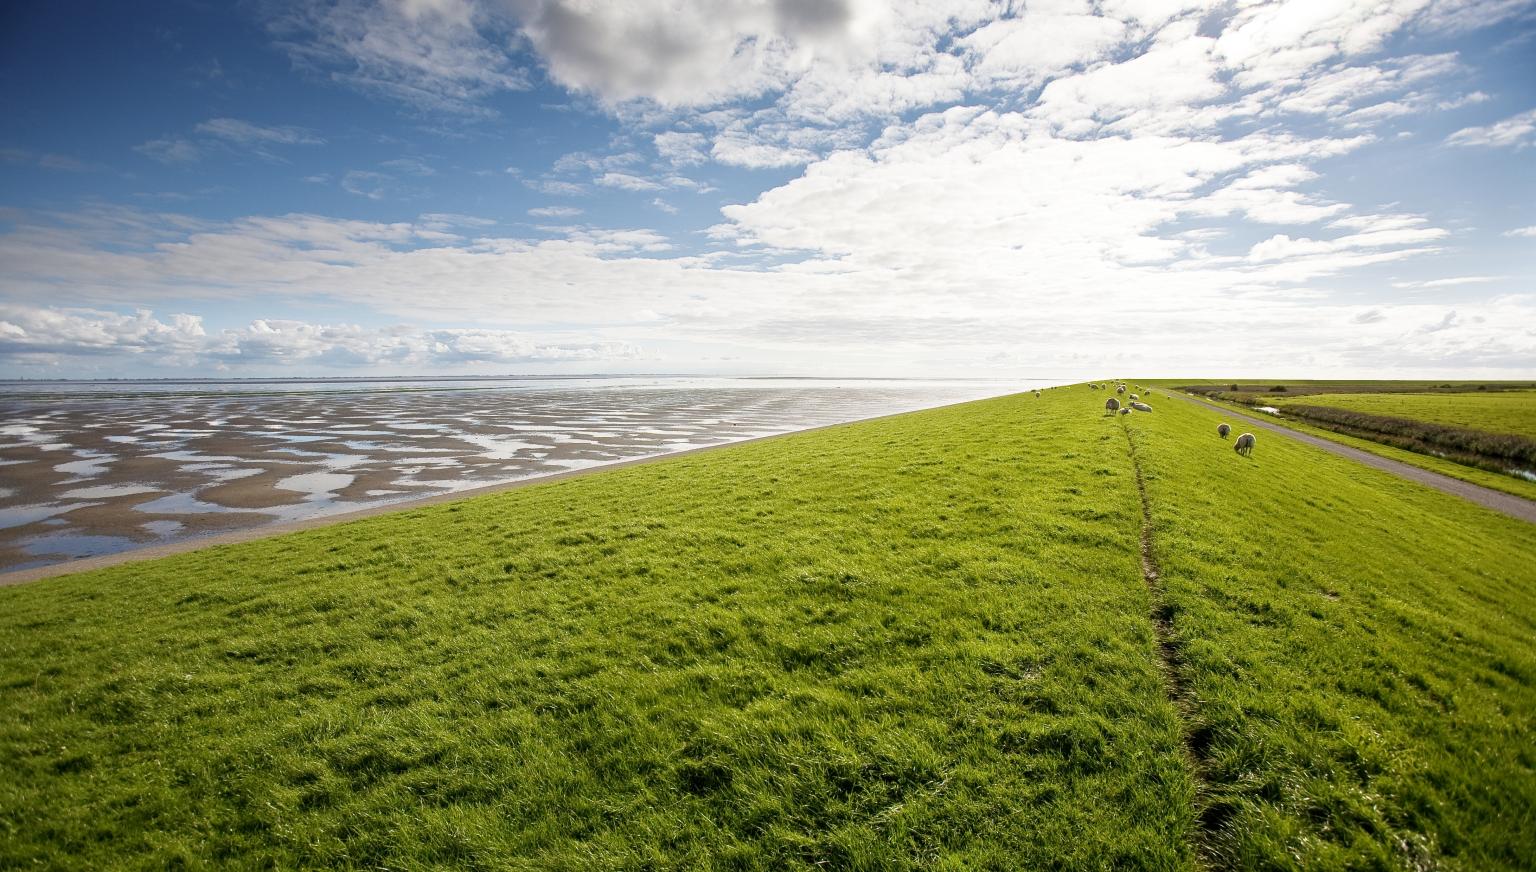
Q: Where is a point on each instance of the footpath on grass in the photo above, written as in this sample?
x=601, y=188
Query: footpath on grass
x=1016, y=633
x=1509, y=504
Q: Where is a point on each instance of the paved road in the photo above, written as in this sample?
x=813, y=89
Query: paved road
x=1508, y=504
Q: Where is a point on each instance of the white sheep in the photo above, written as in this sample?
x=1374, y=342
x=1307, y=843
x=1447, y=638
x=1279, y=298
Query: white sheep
x=1141, y=407
x=1126, y=410
x=1111, y=406
x=1120, y=389
x=1222, y=430
x=1134, y=397
x=1244, y=444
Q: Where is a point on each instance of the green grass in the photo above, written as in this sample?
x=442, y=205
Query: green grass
x=1495, y=411
x=1510, y=484
x=1360, y=653
x=920, y=642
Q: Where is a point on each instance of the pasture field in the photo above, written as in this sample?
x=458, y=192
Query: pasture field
x=1493, y=411
x=920, y=642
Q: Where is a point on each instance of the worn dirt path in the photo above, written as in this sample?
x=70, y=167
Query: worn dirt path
x=1508, y=504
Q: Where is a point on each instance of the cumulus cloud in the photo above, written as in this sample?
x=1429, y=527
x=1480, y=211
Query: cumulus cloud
x=1529, y=232
x=960, y=174
x=34, y=334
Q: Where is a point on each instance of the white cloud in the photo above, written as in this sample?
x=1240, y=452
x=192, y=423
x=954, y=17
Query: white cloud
x=1518, y=131
x=556, y=188
x=246, y=133
x=681, y=148
x=555, y=212
x=444, y=55
x=1024, y=51
x=1456, y=281
x=36, y=334
x=1529, y=232
x=626, y=182
x=170, y=150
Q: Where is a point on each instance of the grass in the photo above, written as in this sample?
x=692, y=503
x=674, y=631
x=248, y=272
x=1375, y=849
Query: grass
x=920, y=642
x=1497, y=480
x=1511, y=412
x=1358, y=650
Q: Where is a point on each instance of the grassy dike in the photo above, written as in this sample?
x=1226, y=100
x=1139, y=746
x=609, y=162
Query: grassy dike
x=917, y=642
x=920, y=642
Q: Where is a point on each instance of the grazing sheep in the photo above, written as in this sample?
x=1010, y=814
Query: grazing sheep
x=1120, y=389
x=1111, y=406
x=1141, y=407
x=1222, y=430
x=1134, y=397
x=1126, y=410
x=1244, y=444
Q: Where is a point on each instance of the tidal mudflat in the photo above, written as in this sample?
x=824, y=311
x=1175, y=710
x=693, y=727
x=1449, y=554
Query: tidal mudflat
x=88, y=469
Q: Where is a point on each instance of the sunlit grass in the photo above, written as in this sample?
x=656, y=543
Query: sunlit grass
x=920, y=642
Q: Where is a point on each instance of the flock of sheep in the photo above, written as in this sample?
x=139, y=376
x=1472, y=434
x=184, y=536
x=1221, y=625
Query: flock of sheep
x=1243, y=446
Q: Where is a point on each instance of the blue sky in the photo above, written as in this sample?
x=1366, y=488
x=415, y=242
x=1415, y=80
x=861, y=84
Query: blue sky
x=769, y=186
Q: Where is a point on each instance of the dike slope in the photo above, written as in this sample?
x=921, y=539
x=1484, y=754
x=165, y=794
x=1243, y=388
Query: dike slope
x=920, y=641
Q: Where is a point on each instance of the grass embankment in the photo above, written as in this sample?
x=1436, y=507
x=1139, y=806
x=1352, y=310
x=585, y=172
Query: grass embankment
x=1513, y=407
x=1359, y=651
x=918, y=642
x=911, y=642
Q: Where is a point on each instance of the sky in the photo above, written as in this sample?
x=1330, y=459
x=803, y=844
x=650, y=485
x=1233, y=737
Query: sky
x=952, y=188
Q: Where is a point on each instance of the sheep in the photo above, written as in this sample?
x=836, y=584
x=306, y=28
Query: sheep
x=1222, y=430
x=1141, y=407
x=1244, y=444
x=1120, y=389
x=1111, y=406
x=1134, y=397
x=1126, y=410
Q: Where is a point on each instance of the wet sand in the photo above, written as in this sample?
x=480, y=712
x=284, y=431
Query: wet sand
x=92, y=476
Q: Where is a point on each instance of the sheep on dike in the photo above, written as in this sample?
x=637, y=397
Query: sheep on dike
x=1244, y=445
x=1126, y=410
x=1141, y=407
x=1111, y=406
x=1222, y=430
